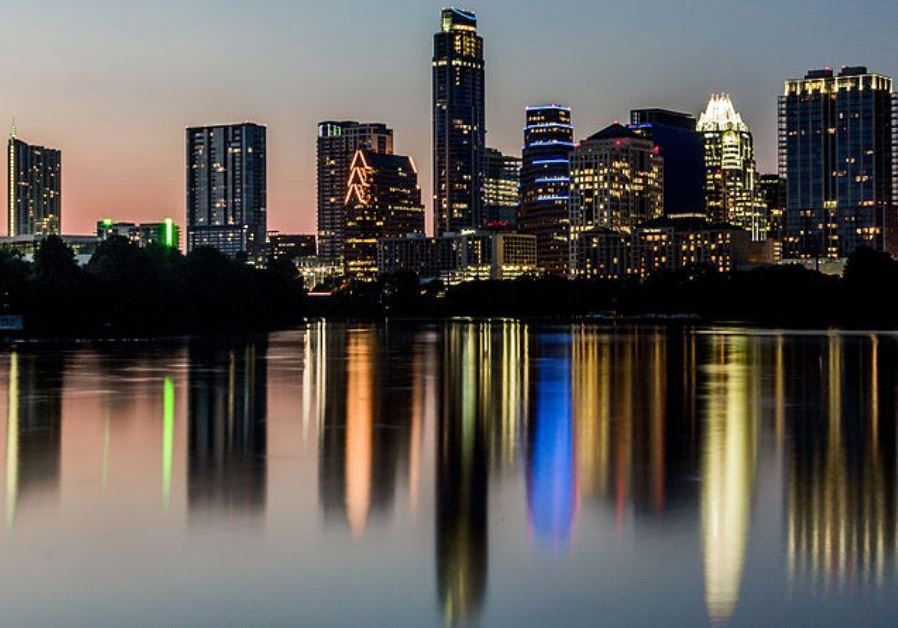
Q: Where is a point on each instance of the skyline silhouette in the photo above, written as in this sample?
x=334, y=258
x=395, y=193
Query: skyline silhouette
x=115, y=86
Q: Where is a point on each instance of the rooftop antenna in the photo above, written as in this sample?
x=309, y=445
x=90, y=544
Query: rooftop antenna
x=12, y=130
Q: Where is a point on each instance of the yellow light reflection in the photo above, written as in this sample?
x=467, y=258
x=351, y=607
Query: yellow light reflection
x=359, y=432
x=728, y=471
x=12, y=440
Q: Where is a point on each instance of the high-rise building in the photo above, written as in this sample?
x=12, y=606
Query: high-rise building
x=730, y=171
x=35, y=188
x=227, y=188
x=501, y=189
x=459, y=123
x=617, y=183
x=338, y=143
x=836, y=152
x=683, y=150
x=383, y=201
x=545, y=184
x=773, y=191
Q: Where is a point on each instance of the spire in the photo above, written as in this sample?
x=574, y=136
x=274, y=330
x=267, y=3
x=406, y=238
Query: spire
x=721, y=115
x=12, y=129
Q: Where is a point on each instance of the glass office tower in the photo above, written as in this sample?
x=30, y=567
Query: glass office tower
x=227, y=189
x=459, y=123
x=836, y=153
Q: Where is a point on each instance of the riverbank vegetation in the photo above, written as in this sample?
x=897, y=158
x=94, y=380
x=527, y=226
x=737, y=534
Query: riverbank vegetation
x=126, y=290
x=129, y=290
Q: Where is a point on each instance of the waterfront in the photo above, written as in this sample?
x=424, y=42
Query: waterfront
x=498, y=472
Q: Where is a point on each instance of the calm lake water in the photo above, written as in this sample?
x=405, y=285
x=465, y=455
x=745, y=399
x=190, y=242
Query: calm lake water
x=493, y=473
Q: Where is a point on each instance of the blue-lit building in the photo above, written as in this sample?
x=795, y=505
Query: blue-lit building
x=683, y=150
x=545, y=184
x=227, y=189
x=459, y=123
x=836, y=154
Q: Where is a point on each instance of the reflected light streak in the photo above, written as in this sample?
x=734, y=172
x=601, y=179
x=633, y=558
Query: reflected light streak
x=728, y=476
x=359, y=433
x=168, y=439
x=12, y=440
x=552, y=474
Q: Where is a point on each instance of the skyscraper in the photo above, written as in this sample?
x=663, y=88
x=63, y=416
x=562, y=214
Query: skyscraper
x=459, y=123
x=383, y=201
x=227, y=188
x=617, y=183
x=730, y=173
x=501, y=189
x=338, y=143
x=836, y=152
x=35, y=188
x=683, y=150
x=545, y=183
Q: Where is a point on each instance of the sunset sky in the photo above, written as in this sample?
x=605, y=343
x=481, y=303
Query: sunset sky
x=113, y=84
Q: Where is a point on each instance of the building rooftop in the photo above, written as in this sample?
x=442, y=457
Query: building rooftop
x=386, y=161
x=458, y=19
x=614, y=132
x=721, y=115
x=687, y=222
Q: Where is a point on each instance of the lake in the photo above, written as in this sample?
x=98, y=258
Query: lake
x=498, y=473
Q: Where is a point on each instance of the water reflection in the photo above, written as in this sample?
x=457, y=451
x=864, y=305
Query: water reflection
x=729, y=464
x=371, y=424
x=481, y=454
x=461, y=471
x=551, y=473
x=227, y=438
x=33, y=427
x=842, y=517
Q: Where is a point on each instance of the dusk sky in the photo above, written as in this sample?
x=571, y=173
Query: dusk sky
x=113, y=84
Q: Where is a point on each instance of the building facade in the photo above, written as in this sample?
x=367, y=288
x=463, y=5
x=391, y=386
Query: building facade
x=166, y=234
x=460, y=258
x=383, y=201
x=501, y=189
x=731, y=193
x=663, y=245
x=291, y=246
x=337, y=145
x=773, y=191
x=459, y=123
x=683, y=150
x=35, y=188
x=545, y=184
x=227, y=192
x=617, y=183
x=836, y=152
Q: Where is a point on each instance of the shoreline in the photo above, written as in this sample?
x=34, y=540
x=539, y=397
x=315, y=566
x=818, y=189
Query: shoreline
x=670, y=321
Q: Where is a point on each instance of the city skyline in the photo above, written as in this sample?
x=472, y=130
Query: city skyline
x=78, y=91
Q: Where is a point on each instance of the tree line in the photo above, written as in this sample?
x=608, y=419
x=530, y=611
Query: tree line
x=128, y=290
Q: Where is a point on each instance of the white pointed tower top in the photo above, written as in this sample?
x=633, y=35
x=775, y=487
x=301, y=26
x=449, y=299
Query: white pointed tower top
x=12, y=129
x=721, y=115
